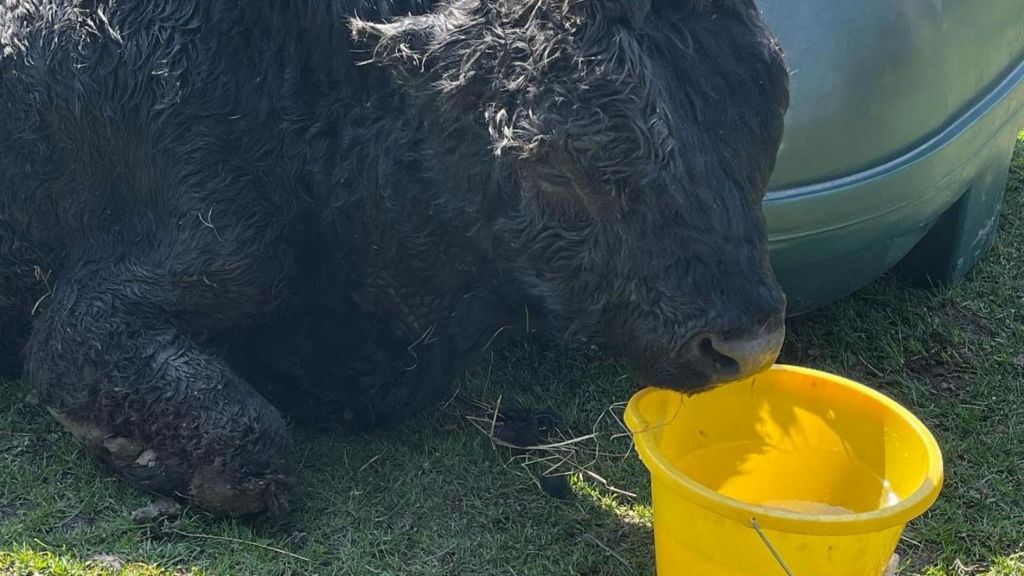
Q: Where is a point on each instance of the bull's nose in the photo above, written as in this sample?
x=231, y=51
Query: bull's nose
x=712, y=358
x=733, y=358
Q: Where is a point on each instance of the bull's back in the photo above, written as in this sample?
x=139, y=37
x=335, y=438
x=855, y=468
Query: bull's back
x=165, y=111
x=159, y=107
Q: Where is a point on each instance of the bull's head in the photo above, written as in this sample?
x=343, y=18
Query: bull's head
x=627, y=145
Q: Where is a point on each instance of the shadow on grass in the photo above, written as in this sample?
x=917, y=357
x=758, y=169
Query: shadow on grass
x=433, y=497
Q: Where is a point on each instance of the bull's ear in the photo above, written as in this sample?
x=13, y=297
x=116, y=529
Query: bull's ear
x=401, y=45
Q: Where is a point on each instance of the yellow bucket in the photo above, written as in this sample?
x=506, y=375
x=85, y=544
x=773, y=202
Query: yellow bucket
x=793, y=471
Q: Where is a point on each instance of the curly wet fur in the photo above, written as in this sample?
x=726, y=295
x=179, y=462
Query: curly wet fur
x=336, y=202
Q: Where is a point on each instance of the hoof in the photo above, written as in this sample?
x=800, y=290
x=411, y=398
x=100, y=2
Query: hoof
x=522, y=428
x=222, y=493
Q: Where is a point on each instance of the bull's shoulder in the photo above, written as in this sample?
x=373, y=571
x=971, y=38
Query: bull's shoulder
x=65, y=54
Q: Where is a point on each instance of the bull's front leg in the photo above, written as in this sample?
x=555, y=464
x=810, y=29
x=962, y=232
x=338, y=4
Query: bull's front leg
x=398, y=369
x=414, y=348
x=118, y=359
x=413, y=336
x=332, y=362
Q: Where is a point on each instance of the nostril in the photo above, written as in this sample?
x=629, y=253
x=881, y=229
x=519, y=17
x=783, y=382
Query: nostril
x=744, y=356
x=721, y=362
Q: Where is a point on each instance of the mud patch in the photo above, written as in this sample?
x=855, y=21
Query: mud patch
x=162, y=509
x=76, y=523
x=945, y=377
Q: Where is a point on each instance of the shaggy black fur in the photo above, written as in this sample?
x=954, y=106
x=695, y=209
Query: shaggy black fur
x=336, y=202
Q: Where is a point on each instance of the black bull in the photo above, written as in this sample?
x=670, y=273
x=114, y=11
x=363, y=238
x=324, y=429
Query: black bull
x=211, y=208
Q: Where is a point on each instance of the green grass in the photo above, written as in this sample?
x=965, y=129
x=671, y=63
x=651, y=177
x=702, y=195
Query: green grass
x=437, y=498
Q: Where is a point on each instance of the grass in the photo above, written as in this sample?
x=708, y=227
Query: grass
x=438, y=498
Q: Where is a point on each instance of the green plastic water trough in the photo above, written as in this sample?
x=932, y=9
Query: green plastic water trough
x=898, y=141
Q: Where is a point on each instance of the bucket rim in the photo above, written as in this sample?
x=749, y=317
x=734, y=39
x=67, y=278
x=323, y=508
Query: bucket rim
x=897, y=515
